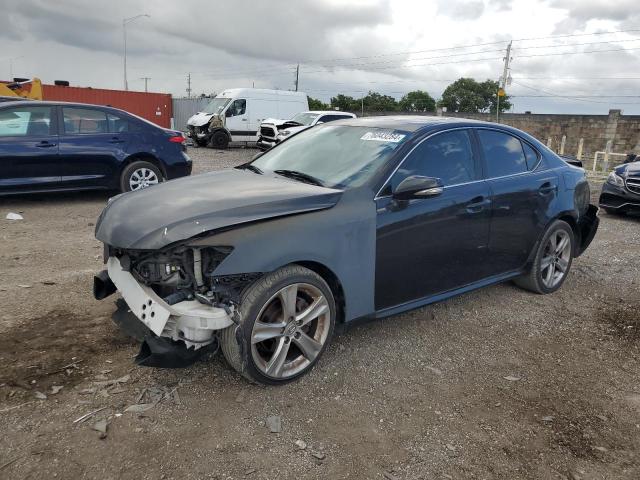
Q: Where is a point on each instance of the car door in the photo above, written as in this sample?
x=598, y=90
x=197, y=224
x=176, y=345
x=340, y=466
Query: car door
x=28, y=148
x=522, y=190
x=237, y=121
x=431, y=245
x=92, y=146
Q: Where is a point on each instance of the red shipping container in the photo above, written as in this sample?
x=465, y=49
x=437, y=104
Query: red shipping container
x=155, y=107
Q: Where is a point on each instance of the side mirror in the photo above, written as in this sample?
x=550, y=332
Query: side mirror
x=228, y=113
x=417, y=186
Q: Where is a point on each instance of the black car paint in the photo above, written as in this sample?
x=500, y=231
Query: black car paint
x=622, y=199
x=385, y=256
x=61, y=161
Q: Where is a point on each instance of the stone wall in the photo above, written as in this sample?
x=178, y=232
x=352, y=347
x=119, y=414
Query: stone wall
x=596, y=130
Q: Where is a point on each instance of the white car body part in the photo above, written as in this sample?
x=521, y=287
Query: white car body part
x=272, y=131
x=189, y=320
x=246, y=109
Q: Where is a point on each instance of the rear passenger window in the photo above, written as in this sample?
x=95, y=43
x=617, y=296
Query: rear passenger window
x=531, y=156
x=84, y=121
x=117, y=124
x=503, y=153
x=447, y=156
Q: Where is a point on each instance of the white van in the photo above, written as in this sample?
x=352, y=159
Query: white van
x=235, y=115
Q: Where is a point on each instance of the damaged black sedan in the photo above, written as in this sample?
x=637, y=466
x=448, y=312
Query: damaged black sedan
x=362, y=218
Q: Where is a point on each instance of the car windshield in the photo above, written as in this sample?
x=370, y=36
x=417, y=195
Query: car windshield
x=305, y=118
x=339, y=156
x=216, y=105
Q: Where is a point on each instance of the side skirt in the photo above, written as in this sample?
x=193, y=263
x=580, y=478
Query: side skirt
x=421, y=302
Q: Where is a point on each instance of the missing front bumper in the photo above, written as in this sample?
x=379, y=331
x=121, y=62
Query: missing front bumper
x=188, y=321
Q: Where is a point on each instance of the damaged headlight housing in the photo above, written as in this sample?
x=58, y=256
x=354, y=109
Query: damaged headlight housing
x=615, y=179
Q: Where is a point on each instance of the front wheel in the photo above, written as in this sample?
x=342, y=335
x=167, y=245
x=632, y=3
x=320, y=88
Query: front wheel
x=219, y=140
x=286, y=321
x=552, y=262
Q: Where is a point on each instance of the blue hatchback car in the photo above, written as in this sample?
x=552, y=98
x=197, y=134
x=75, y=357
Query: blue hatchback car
x=47, y=146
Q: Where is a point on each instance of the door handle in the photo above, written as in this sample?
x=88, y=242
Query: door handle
x=45, y=144
x=245, y=120
x=547, y=188
x=477, y=204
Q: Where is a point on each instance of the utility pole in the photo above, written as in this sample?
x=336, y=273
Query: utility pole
x=146, y=79
x=505, y=80
x=189, y=85
x=297, y=76
x=126, y=21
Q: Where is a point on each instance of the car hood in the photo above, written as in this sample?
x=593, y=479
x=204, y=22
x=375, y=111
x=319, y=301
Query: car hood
x=296, y=129
x=632, y=168
x=273, y=121
x=199, y=119
x=180, y=209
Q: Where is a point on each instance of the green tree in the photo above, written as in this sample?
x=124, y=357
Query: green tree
x=315, y=104
x=376, y=102
x=345, y=103
x=417, y=101
x=466, y=95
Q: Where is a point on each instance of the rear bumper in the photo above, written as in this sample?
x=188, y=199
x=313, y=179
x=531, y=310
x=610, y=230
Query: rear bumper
x=588, y=225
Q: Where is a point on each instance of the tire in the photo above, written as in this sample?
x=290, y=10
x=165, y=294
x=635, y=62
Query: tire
x=219, y=140
x=136, y=173
x=550, y=268
x=264, y=348
x=199, y=143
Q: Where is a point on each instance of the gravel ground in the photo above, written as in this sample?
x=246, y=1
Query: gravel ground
x=497, y=383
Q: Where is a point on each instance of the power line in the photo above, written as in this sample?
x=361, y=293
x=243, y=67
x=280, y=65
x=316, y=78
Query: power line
x=578, y=53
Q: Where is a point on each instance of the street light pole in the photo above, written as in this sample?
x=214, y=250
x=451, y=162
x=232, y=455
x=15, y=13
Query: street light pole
x=125, y=21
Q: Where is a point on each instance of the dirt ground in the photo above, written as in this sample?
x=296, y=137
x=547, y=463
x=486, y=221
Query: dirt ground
x=498, y=383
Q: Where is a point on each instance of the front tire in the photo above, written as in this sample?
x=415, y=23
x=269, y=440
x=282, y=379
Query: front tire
x=285, y=322
x=552, y=262
x=138, y=175
x=219, y=140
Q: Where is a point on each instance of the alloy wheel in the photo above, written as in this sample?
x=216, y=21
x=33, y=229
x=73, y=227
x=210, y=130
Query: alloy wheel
x=290, y=330
x=142, y=178
x=556, y=258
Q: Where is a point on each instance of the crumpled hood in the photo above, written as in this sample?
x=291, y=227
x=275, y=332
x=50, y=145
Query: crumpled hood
x=180, y=209
x=273, y=121
x=296, y=129
x=199, y=119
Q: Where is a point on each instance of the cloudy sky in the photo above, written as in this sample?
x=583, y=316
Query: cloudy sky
x=563, y=61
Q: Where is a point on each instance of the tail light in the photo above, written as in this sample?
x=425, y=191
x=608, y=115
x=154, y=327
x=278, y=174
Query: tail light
x=178, y=139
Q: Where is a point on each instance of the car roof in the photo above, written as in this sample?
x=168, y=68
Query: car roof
x=329, y=112
x=410, y=123
x=53, y=102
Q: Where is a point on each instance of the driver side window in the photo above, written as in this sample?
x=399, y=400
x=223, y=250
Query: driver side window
x=238, y=107
x=447, y=156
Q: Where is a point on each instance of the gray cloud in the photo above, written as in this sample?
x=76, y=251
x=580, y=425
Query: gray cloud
x=585, y=10
x=461, y=10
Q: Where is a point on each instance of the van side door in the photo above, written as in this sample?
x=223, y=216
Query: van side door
x=237, y=121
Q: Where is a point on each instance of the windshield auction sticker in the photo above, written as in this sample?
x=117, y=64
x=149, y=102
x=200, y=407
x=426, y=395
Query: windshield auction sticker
x=382, y=136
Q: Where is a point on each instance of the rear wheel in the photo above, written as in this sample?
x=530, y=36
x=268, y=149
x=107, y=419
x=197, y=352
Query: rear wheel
x=552, y=261
x=286, y=320
x=138, y=175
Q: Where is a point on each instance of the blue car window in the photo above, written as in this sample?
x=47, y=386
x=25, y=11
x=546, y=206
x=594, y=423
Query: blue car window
x=531, y=156
x=117, y=124
x=503, y=153
x=447, y=156
x=84, y=121
x=25, y=121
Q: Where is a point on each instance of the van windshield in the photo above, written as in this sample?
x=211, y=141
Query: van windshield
x=216, y=105
x=338, y=156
